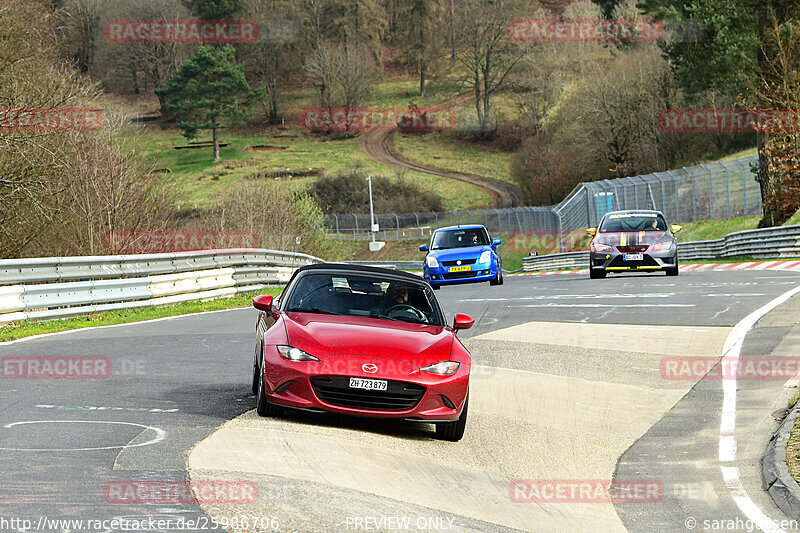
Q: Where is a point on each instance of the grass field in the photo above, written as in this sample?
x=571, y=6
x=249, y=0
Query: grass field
x=201, y=181
x=444, y=151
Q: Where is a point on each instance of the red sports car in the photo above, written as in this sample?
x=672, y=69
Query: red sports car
x=361, y=341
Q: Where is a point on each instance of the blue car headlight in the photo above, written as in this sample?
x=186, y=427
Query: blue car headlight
x=431, y=262
x=485, y=257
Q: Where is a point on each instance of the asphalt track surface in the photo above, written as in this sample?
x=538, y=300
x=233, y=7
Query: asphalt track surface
x=567, y=386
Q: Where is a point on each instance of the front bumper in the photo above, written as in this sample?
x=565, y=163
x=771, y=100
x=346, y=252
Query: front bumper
x=615, y=261
x=323, y=385
x=442, y=275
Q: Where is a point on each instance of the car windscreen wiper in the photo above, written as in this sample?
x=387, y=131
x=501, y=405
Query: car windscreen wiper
x=316, y=310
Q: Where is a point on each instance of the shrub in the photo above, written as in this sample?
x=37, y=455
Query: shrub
x=347, y=192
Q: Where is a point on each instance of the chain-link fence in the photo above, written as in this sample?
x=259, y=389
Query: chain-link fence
x=720, y=190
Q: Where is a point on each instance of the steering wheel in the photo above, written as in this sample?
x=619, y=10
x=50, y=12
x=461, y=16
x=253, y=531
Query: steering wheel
x=406, y=307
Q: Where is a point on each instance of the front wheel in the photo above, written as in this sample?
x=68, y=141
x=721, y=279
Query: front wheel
x=263, y=407
x=453, y=431
x=499, y=279
x=596, y=273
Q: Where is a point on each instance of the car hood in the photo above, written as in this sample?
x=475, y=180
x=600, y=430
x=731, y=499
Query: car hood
x=331, y=335
x=452, y=254
x=632, y=238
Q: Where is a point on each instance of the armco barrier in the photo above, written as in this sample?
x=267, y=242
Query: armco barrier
x=57, y=287
x=767, y=243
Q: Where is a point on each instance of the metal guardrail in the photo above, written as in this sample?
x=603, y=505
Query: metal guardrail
x=395, y=265
x=767, y=243
x=57, y=287
x=565, y=261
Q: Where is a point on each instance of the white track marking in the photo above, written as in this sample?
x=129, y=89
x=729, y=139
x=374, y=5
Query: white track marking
x=727, y=437
x=160, y=435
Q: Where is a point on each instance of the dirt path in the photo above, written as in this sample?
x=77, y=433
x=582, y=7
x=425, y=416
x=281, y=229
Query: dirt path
x=379, y=145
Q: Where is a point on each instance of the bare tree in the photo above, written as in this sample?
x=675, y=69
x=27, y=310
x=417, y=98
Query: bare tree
x=143, y=66
x=485, y=52
x=276, y=54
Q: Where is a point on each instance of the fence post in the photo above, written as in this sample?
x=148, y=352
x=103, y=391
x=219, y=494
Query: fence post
x=397, y=221
x=694, y=194
x=417, y=217
x=675, y=179
x=336, y=218
x=744, y=187
x=436, y=216
x=727, y=189
x=710, y=193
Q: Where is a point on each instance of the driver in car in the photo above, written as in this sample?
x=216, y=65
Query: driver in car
x=396, y=294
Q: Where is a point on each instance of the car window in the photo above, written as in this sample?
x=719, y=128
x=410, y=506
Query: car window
x=459, y=238
x=633, y=222
x=365, y=295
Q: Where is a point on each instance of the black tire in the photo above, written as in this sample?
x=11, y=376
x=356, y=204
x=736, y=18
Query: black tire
x=596, y=273
x=674, y=271
x=263, y=407
x=453, y=431
x=435, y=287
x=256, y=370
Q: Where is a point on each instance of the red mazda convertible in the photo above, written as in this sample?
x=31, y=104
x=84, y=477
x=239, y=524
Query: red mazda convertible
x=361, y=341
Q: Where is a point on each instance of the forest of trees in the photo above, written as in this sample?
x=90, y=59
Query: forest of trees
x=581, y=111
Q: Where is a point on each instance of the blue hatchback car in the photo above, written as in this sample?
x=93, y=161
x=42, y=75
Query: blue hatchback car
x=462, y=254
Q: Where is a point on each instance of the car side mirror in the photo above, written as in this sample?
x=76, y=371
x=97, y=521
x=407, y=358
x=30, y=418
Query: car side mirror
x=263, y=303
x=591, y=231
x=496, y=242
x=423, y=248
x=462, y=321
x=676, y=228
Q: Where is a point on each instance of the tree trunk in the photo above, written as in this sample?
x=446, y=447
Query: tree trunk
x=216, y=143
x=452, y=30
x=767, y=203
x=422, y=79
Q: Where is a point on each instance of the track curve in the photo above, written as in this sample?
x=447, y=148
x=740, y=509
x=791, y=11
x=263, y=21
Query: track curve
x=379, y=146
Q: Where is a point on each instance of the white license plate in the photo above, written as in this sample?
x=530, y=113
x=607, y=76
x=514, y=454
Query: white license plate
x=368, y=384
x=633, y=257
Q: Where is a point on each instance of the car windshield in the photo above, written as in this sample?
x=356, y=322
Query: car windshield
x=634, y=222
x=363, y=295
x=459, y=238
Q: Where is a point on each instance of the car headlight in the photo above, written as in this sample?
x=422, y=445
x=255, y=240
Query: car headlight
x=485, y=257
x=445, y=368
x=295, y=354
x=662, y=246
x=431, y=262
x=600, y=247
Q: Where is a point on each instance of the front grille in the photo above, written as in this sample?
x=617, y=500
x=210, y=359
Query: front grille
x=633, y=248
x=460, y=275
x=463, y=262
x=398, y=396
x=646, y=261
